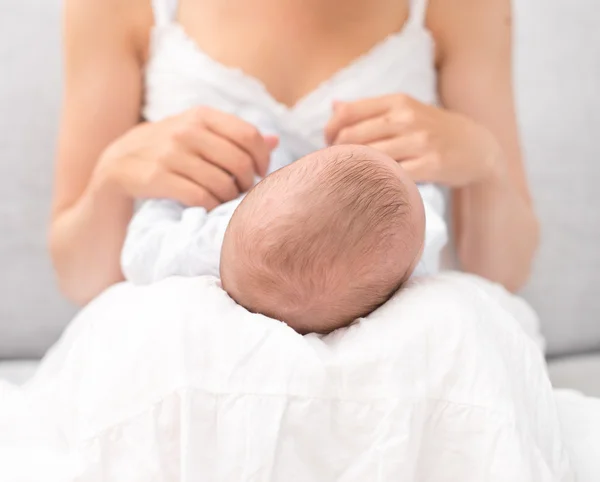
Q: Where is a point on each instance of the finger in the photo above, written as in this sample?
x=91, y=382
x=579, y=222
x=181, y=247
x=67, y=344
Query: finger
x=225, y=155
x=418, y=170
x=372, y=130
x=244, y=135
x=272, y=141
x=216, y=181
x=187, y=192
x=400, y=148
x=348, y=113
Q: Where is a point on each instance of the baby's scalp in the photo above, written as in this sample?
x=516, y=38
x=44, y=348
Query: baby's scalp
x=324, y=240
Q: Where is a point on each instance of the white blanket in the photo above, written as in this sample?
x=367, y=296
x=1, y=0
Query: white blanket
x=175, y=382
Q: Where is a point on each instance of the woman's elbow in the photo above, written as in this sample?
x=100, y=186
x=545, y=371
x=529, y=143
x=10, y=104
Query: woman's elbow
x=523, y=265
x=77, y=293
x=512, y=276
x=514, y=280
x=69, y=286
x=79, y=285
x=80, y=290
x=512, y=267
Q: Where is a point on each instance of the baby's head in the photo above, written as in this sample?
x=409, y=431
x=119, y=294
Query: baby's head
x=324, y=240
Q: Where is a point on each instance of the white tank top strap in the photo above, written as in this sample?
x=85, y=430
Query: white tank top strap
x=418, y=11
x=165, y=11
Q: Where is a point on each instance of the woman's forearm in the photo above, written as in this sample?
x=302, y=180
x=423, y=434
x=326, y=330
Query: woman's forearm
x=497, y=232
x=86, y=240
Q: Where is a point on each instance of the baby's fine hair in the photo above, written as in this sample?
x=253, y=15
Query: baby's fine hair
x=321, y=242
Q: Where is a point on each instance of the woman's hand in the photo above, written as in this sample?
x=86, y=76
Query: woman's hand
x=432, y=144
x=203, y=157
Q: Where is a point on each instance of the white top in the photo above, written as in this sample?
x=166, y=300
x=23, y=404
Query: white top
x=179, y=75
x=166, y=238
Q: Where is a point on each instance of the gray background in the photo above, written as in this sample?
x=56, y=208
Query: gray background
x=557, y=78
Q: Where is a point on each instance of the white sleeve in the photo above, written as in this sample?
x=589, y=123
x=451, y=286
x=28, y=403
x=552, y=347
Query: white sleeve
x=166, y=239
x=436, y=230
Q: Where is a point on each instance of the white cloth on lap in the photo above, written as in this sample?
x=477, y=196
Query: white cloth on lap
x=173, y=380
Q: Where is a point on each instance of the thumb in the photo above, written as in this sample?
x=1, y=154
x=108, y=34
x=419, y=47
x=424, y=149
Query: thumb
x=417, y=170
x=336, y=104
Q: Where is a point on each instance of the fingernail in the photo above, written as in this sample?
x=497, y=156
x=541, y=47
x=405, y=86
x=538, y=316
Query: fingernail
x=272, y=141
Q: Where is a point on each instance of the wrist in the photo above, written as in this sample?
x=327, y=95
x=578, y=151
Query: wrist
x=496, y=171
x=104, y=186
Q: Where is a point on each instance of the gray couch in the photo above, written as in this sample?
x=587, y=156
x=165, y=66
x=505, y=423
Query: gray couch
x=557, y=78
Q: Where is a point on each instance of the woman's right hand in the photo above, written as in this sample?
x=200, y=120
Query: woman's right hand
x=202, y=157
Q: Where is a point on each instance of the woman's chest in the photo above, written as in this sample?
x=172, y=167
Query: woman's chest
x=291, y=46
x=283, y=73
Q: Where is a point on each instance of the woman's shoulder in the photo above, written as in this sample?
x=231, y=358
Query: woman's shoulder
x=126, y=21
x=459, y=24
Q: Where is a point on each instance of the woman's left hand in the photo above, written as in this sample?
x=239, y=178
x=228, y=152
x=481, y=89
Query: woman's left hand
x=431, y=144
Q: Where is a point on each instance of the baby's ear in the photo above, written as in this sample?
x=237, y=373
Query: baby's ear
x=272, y=141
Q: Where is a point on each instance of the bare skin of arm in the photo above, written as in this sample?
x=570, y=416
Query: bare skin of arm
x=103, y=90
x=470, y=145
x=107, y=158
x=495, y=225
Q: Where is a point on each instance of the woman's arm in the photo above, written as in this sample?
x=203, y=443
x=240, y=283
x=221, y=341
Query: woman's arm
x=471, y=146
x=495, y=226
x=201, y=157
x=102, y=96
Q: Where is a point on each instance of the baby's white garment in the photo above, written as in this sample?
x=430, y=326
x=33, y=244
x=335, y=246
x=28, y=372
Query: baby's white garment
x=167, y=239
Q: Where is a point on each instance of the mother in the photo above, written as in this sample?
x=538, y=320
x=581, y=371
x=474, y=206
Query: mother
x=390, y=60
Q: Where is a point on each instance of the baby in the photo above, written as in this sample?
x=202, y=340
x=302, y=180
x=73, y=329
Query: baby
x=316, y=244
x=325, y=240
